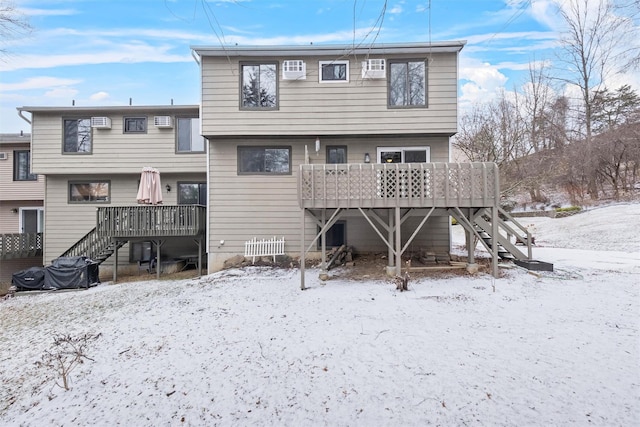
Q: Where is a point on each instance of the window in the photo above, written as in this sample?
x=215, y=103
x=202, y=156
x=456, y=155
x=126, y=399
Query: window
x=192, y=193
x=135, y=125
x=264, y=160
x=31, y=220
x=337, y=154
x=407, y=84
x=259, y=86
x=89, y=192
x=188, y=135
x=77, y=136
x=21, y=167
x=334, y=71
x=404, y=154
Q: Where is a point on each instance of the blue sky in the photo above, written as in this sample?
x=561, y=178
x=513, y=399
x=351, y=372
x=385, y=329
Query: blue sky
x=103, y=52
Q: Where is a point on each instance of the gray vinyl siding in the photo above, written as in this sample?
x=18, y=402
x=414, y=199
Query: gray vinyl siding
x=66, y=223
x=308, y=106
x=114, y=152
x=246, y=206
x=17, y=190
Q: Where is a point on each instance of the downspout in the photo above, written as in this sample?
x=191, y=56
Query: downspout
x=23, y=117
x=195, y=57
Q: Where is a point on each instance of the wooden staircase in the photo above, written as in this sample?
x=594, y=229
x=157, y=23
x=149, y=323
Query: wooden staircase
x=95, y=246
x=480, y=225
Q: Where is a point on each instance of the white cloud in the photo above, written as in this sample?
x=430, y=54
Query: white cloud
x=484, y=81
x=61, y=93
x=47, y=12
x=99, y=96
x=43, y=82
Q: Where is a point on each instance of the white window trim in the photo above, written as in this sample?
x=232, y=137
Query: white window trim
x=402, y=150
x=40, y=224
x=321, y=63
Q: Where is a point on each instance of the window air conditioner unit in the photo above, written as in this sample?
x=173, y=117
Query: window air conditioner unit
x=101, y=122
x=294, y=70
x=3, y=156
x=373, y=69
x=162, y=122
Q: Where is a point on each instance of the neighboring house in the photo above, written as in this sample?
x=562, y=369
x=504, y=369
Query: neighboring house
x=92, y=159
x=21, y=207
x=340, y=145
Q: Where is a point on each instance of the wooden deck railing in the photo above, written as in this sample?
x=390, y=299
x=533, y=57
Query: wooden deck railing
x=405, y=185
x=20, y=245
x=151, y=221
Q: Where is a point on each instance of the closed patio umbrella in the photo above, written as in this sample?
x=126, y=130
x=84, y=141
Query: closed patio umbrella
x=150, y=190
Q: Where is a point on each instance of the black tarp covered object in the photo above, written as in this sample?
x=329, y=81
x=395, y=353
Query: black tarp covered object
x=71, y=273
x=31, y=279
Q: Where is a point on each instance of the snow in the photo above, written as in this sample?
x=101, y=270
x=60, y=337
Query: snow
x=247, y=347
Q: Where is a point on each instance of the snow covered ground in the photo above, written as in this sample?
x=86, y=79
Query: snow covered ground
x=247, y=347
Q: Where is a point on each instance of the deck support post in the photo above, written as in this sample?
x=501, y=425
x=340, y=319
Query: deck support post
x=398, y=243
x=390, y=231
x=494, y=241
x=323, y=242
x=302, y=249
x=115, y=261
x=471, y=249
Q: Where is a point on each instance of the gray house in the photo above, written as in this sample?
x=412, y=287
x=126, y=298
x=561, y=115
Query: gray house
x=331, y=145
x=91, y=161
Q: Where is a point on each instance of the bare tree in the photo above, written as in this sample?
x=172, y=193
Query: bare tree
x=589, y=46
x=12, y=24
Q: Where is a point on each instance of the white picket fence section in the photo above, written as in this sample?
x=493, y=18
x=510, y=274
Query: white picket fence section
x=258, y=248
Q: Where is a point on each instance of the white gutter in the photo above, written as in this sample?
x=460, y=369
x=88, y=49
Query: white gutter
x=23, y=117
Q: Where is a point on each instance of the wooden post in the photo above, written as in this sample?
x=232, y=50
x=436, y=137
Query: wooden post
x=494, y=241
x=115, y=261
x=390, y=239
x=323, y=242
x=302, y=249
x=398, y=243
x=471, y=248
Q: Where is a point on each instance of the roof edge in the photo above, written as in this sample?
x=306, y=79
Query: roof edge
x=108, y=108
x=318, y=50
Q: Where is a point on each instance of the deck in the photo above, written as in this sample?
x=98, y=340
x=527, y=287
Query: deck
x=403, y=185
x=151, y=221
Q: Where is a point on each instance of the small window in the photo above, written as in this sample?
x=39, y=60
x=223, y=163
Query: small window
x=337, y=154
x=77, y=136
x=90, y=192
x=404, y=154
x=135, y=125
x=188, y=135
x=334, y=71
x=264, y=160
x=407, y=84
x=259, y=86
x=192, y=193
x=21, y=167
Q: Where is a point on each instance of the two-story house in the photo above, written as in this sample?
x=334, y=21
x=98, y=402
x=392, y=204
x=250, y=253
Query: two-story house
x=92, y=159
x=333, y=145
x=21, y=207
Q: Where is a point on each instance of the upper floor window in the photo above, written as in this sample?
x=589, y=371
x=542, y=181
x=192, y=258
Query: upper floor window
x=259, y=86
x=135, y=125
x=407, y=84
x=264, y=160
x=334, y=71
x=192, y=193
x=188, y=138
x=77, y=136
x=21, y=167
x=89, y=191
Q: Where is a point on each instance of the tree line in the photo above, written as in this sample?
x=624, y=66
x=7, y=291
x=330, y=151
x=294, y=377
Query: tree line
x=564, y=128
